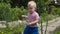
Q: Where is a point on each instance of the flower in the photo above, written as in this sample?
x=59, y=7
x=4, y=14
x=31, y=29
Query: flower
x=2, y=32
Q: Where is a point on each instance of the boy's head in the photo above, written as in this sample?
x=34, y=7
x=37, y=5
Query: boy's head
x=31, y=6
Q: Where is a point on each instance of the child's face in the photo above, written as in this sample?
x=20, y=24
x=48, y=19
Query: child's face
x=31, y=9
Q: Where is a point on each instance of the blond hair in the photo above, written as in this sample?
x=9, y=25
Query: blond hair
x=32, y=3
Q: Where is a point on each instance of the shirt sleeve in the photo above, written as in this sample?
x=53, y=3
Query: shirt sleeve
x=37, y=16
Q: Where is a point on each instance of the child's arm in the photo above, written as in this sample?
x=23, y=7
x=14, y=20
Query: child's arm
x=34, y=22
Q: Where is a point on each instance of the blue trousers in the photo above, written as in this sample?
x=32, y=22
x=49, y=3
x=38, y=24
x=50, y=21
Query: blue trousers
x=31, y=30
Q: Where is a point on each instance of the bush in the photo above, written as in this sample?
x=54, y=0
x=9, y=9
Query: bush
x=17, y=12
x=58, y=32
x=7, y=1
x=13, y=30
x=56, y=11
x=4, y=10
x=10, y=14
x=46, y=16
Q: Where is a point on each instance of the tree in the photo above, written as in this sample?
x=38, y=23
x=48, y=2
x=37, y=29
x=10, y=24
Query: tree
x=41, y=6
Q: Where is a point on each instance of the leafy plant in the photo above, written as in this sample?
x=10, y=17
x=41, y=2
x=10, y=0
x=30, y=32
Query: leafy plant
x=11, y=14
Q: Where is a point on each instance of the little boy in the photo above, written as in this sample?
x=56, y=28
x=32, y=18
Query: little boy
x=33, y=18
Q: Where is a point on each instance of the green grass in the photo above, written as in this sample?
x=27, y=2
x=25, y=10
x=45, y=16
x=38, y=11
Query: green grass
x=13, y=30
x=58, y=32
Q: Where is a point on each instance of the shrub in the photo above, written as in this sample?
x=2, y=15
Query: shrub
x=46, y=16
x=58, y=32
x=10, y=14
x=56, y=11
x=13, y=30
x=4, y=10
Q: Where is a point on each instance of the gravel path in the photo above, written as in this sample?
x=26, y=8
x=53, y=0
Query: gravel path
x=52, y=25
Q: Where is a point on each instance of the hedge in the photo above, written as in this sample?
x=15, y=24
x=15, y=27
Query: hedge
x=10, y=14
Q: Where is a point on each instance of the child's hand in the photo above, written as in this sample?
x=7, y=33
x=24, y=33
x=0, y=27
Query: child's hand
x=29, y=23
x=24, y=16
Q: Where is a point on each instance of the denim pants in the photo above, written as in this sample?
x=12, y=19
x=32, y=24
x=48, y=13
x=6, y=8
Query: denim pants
x=31, y=30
